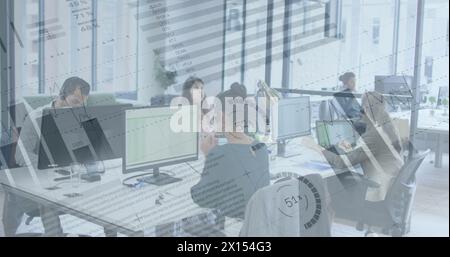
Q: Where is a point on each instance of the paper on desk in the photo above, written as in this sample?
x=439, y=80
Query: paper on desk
x=316, y=165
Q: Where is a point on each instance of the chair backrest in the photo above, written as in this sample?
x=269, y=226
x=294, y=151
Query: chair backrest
x=400, y=195
x=407, y=174
x=337, y=108
x=292, y=206
x=331, y=110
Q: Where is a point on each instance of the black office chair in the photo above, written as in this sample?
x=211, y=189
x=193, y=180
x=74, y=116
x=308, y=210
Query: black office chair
x=393, y=214
x=319, y=226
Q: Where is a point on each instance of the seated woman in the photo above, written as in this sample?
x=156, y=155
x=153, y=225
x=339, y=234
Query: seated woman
x=379, y=150
x=348, y=103
x=194, y=92
x=234, y=171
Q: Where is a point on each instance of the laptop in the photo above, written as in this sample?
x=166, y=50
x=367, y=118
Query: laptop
x=331, y=133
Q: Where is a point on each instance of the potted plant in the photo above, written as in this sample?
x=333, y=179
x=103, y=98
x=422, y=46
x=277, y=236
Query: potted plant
x=432, y=101
x=164, y=77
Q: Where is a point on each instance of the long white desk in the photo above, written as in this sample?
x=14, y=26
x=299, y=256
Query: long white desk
x=134, y=211
x=432, y=128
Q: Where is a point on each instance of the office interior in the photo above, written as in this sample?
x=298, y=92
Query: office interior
x=136, y=53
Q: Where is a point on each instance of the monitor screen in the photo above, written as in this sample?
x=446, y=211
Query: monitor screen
x=294, y=118
x=330, y=133
x=151, y=142
x=395, y=85
x=80, y=135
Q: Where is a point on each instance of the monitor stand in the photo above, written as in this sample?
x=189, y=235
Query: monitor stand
x=281, y=149
x=159, y=179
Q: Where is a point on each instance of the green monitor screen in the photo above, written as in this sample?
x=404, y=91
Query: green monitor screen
x=151, y=142
x=331, y=133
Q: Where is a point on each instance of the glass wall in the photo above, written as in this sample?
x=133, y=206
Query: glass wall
x=435, y=49
x=117, y=50
x=27, y=51
x=255, y=44
x=109, y=43
x=233, y=42
x=94, y=40
x=365, y=45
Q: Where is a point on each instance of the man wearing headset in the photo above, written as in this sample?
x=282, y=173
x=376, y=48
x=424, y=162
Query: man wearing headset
x=74, y=93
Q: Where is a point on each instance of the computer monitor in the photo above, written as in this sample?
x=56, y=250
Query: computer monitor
x=151, y=142
x=331, y=133
x=396, y=86
x=294, y=120
x=80, y=135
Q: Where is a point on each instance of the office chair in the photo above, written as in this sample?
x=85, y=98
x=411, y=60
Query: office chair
x=337, y=109
x=331, y=110
x=393, y=214
x=265, y=215
x=327, y=111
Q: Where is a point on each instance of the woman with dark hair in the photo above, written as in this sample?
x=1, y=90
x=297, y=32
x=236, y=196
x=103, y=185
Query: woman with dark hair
x=348, y=103
x=348, y=80
x=345, y=98
x=193, y=91
x=234, y=171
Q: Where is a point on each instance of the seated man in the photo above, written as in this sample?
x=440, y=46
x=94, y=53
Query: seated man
x=379, y=150
x=348, y=102
x=234, y=171
x=74, y=93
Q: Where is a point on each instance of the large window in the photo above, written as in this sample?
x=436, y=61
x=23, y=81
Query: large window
x=94, y=40
x=234, y=28
x=110, y=43
x=26, y=15
x=117, y=49
x=434, y=75
x=276, y=46
x=434, y=59
x=255, y=44
x=193, y=34
x=406, y=37
x=66, y=36
x=312, y=59
x=364, y=47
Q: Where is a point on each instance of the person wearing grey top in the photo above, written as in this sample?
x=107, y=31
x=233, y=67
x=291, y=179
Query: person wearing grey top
x=232, y=172
x=348, y=103
x=379, y=150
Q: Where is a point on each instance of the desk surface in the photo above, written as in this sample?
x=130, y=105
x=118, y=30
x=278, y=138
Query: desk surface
x=134, y=211
x=427, y=121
